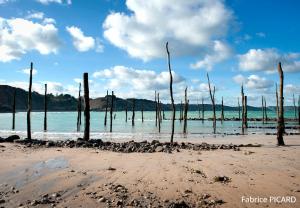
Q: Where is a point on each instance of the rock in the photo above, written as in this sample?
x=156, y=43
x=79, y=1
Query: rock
x=34, y=203
x=2, y=201
x=55, y=195
x=111, y=168
x=50, y=144
x=223, y=179
x=102, y=199
x=181, y=204
x=12, y=138
x=159, y=149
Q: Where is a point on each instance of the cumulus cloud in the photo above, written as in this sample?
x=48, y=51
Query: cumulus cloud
x=267, y=60
x=27, y=71
x=191, y=27
x=14, y=42
x=220, y=52
x=35, y=15
x=83, y=43
x=253, y=82
x=46, y=2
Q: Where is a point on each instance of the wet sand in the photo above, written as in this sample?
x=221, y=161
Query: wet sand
x=86, y=177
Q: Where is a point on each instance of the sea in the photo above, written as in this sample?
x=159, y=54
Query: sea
x=63, y=125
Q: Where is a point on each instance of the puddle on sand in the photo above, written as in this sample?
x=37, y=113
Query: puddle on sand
x=24, y=175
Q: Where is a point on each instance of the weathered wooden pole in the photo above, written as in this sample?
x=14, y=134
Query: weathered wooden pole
x=14, y=110
x=29, y=104
x=212, y=97
x=277, y=108
x=243, y=109
x=171, y=94
x=142, y=112
x=203, y=110
x=246, y=112
x=239, y=106
x=159, y=115
x=133, y=112
x=106, y=106
x=111, y=110
x=156, y=109
x=222, y=111
x=280, y=121
x=79, y=106
x=86, y=107
x=45, y=109
x=295, y=109
x=265, y=104
x=262, y=109
x=126, y=111
x=185, y=111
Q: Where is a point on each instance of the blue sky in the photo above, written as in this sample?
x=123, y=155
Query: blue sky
x=122, y=46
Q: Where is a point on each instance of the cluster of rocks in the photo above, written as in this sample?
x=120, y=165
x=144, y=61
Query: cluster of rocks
x=45, y=199
x=125, y=147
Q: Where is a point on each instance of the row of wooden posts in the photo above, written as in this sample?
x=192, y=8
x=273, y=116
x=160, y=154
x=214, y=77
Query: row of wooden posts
x=159, y=108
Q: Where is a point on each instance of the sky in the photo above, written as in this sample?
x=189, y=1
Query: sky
x=121, y=44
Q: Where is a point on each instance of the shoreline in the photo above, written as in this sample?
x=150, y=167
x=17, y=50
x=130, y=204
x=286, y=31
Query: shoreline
x=91, y=177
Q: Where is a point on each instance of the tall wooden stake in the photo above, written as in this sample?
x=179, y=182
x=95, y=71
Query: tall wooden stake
x=45, y=109
x=277, y=108
x=263, y=109
x=246, y=112
x=203, y=110
x=239, y=106
x=212, y=97
x=14, y=110
x=265, y=104
x=159, y=115
x=29, y=104
x=171, y=94
x=79, y=107
x=222, y=111
x=243, y=109
x=111, y=110
x=156, y=110
x=133, y=112
x=280, y=122
x=87, y=107
x=185, y=111
x=142, y=112
x=181, y=112
x=105, y=116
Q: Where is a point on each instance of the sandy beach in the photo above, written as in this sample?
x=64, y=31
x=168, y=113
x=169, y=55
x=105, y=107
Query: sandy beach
x=87, y=177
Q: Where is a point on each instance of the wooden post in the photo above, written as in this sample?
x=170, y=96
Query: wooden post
x=280, y=122
x=142, y=112
x=185, y=111
x=265, y=104
x=14, y=110
x=203, y=110
x=222, y=111
x=171, y=94
x=246, y=112
x=133, y=112
x=45, y=109
x=159, y=115
x=262, y=109
x=29, y=104
x=243, y=109
x=111, y=110
x=86, y=107
x=126, y=110
x=79, y=106
x=156, y=115
x=295, y=109
x=212, y=97
x=105, y=116
x=239, y=106
x=277, y=108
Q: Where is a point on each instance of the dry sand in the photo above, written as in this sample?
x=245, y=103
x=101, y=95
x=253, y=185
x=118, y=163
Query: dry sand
x=90, y=178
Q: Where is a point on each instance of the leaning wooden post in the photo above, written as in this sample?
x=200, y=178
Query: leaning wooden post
x=243, y=109
x=239, y=106
x=29, y=104
x=222, y=111
x=203, y=110
x=277, y=108
x=295, y=109
x=106, y=106
x=14, y=110
x=126, y=111
x=133, y=112
x=142, y=112
x=79, y=105
x=171, y=94
x=86, y=107
x=45, y=109
x=159, y=115
x=280, y=122
x=111, y=110
x=185, y=111
x=212, y=97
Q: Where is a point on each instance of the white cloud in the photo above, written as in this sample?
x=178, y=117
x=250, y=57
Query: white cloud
x=19, y=36
x=253, y=82
x=292, y=89
x=3, y=1
x=27, y=71
x=191, y=27
x=49, y=21
x=221, y=52
x=83, y=43
x=267, y=60
x=35, y=15
x=46, y=2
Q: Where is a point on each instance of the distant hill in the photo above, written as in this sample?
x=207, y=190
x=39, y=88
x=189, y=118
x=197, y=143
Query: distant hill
x=69, y=103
